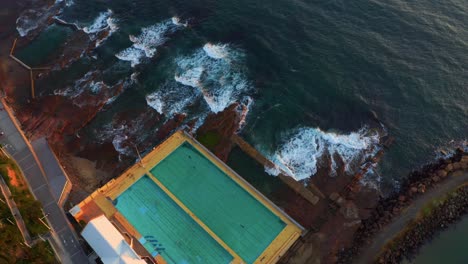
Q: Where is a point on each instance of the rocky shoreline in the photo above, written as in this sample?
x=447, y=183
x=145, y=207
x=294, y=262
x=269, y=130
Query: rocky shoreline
x=406, y=245
x=387, y=209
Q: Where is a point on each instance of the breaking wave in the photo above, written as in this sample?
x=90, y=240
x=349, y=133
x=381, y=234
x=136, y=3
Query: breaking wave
x=67, y=2
x=146, y=44
x=216, y=51
x=103, y=22
x=300, y=154
x=176, y=21
x=217, y=72
x=86, y=83
x=131, y=54
x=100, y=23
x=172, y=99
x=29, y=20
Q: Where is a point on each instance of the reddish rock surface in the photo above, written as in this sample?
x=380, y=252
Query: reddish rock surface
x=223, y=124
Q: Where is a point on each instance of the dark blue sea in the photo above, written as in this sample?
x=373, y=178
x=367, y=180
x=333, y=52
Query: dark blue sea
x=318, y=78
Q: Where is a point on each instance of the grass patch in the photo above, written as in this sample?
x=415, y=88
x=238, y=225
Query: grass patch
x=11, y=243
x=425, y=213
x=210, y=139
x=429, y=208
x=29, y=207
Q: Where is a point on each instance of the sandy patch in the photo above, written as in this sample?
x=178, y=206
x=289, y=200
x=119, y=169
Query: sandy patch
x=83, y=173
x=14, y=178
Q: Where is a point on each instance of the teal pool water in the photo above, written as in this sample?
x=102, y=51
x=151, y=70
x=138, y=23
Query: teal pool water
x=233, y=214
x=166, y=228
x=48, y=42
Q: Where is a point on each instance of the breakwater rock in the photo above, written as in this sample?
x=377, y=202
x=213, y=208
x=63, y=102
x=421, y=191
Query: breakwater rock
x=416, y=184
x=447, y=212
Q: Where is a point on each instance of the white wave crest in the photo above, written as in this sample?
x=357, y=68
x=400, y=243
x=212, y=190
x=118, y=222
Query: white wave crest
x=29, y=20
x=131, y=54
x=176, y=21
x=171, y=99
x=68, y=3
x=147, y=42
x=86, y=83
x=216, y=51
x=118, y=143
x=112, y=23
x=221, y=80
x=244, y=111
x=191, y=77
x=100, y=23
x=300, y=154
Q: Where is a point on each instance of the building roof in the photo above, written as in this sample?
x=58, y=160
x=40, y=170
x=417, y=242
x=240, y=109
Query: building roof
x=108, y=243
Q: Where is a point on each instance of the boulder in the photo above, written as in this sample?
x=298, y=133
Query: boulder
x=422, y=188
x=350, y=210
x=441, y=173
x=449, y=168
x=456, y=165
x=334, y=196
x=464, y=165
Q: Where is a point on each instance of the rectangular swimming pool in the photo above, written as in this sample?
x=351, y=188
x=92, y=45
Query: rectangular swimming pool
x=226, y=208
x=168, y=229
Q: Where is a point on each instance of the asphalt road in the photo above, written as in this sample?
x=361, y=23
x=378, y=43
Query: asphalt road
x=65, y=241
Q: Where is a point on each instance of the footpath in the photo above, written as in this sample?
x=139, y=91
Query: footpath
x=399, y=223
x=63, y=238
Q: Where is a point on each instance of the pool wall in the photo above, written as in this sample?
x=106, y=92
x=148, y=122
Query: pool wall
x=104, y=196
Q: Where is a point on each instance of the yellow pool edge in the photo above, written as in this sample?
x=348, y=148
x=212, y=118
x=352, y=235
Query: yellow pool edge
x=111, y=190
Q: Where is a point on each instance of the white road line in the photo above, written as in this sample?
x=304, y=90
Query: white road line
x=50, y=203
x=25, y=157
x=39, y=187
x=32, y=165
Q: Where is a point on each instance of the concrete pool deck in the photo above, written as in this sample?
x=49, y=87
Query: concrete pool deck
x=101, y=201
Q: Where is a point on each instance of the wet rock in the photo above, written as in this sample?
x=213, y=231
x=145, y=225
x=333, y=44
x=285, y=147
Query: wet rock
x=435, y=179
x=421, y=188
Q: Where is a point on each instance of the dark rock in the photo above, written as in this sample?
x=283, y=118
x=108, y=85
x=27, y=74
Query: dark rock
x=449, y=168
x=456, y=165
x=441, y=173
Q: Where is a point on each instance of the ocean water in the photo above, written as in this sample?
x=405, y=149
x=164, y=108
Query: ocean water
x=313, y=74
x=450, y=246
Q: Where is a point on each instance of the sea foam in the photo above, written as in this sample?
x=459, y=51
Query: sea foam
x=300, y=154
x=29, y=20
x=218, y=51
x=85, y=83
x=100, y=23
x=176, y=21
x=146, y=43
x=217, y=72
x=171, y=99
